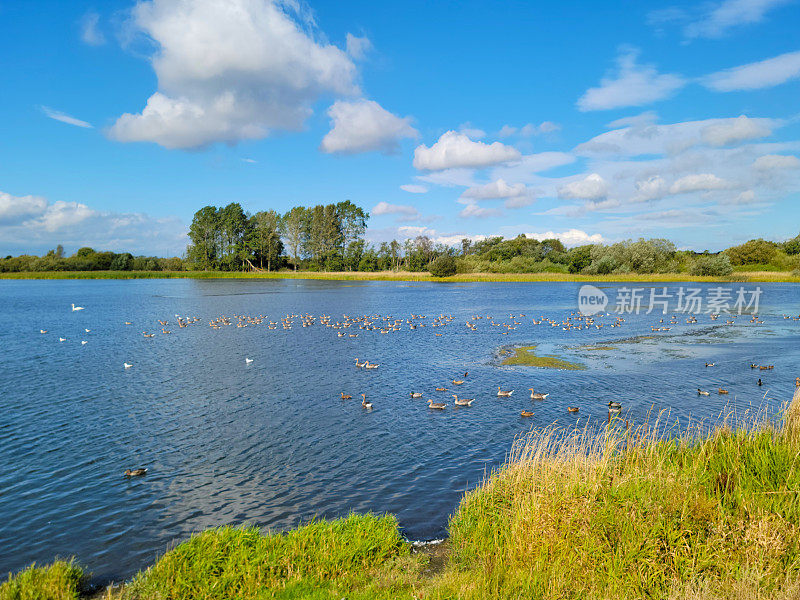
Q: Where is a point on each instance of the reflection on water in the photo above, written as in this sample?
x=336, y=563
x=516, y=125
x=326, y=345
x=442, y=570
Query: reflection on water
x=271, y=442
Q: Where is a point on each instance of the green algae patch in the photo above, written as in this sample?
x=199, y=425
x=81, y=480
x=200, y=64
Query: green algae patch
x=525, y=356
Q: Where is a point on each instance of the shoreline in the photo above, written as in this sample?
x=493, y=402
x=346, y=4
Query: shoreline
x=739, y=277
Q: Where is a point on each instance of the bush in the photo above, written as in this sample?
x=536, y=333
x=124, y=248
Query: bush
x=752, y=252
x=444, y=266
x=712, y=266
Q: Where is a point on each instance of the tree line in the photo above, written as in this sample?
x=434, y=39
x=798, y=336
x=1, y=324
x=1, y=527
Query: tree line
x=331, y=238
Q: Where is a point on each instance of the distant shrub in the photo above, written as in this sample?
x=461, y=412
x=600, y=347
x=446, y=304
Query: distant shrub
x=712, y=266
x=444, y=266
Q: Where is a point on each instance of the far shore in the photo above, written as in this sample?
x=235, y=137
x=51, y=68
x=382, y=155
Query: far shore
x=744, y=276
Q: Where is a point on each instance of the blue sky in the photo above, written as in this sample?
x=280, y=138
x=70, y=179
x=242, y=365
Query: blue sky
x=578, y=120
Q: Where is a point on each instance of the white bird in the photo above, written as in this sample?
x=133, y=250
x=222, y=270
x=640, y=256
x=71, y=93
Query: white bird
x=43, y=331
x=127, y=365
x=87, y=330
x=83, y=342
x=74, y=308
x=248, y=360
x=62, y=339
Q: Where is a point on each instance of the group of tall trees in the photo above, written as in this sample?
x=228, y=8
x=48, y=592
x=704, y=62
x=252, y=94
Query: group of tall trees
x=323, y=237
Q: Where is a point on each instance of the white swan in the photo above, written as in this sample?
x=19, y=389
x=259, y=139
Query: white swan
x=62, y=339
x=74, y=308
x=83, y=343
x=127, y=365
x=43, y=331
x=87, y=330
x=248, y=360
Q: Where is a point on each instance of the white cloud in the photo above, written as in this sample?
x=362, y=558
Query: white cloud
x=31, y=223
x=527, y=168
x=405, y=212
x=473, y=209
x=413, y=188
x=454, y=150
x=676, y=138
x=734, y=131
x=756, y=75
x=702, y=182
x=14, y=209
x=357, y=47
x=571, y=237
x=494, y=190
x=776, y=161
x=89, y=32
x=593, y=187
x=729, y=14
x=471, y=132
x=529, y=129
x=231, y=71
x=365, y=126
x=632, y=85
x=746, y=197
x=650, y=189
x=639, y=121
x=64, y=118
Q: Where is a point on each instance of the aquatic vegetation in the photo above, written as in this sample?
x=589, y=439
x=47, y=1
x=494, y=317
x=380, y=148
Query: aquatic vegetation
x=525, y=356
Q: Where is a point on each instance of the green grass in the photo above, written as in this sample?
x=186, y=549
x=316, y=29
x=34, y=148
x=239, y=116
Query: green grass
x=61, y=580
x=597, y=513
x=359, y=556
x=526, y=357
x=751, y=276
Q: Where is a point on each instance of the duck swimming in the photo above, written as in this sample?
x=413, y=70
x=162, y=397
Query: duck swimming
x=134, y=472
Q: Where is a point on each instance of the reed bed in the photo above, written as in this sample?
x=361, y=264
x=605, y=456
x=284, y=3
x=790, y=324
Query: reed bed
x=754, y=276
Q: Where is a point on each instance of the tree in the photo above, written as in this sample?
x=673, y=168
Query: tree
x=752, y=252
x=792, y=246
x=232, y=226
x=203, y=232
x=294, y=227
x=264, y=238
x=713, y=266
x=122, y=262
x=443, y=266
x=580, y=258
x=352, y=223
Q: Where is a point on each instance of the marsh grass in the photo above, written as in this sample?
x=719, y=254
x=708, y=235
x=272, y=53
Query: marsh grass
x=751, y=276
x=616, y=512
x=61, y=580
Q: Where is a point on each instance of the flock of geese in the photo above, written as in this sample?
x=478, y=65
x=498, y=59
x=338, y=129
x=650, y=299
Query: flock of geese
x=351, y=326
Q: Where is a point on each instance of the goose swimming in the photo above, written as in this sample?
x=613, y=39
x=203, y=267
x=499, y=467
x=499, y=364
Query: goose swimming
x=364, y=403
x=436, y=405
x=504, y=393
x=537, y=395
x=463, y=401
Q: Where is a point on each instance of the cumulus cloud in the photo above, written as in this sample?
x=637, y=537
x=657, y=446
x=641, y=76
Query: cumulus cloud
x=762, y=74
x=702, y=182
x=457, y=150
x=413, y=188
x=632, y=85
x=365, y=126
x=770, y=162
x=404, y=212
x=651, y=188
x=31, y=223
x=357, y=47
x=231, y=71
x=592, y=187
x=494, y=190
x=473, y=209
x=734, y=131
x=728, y=14
x=90, y=34
x=64, y=117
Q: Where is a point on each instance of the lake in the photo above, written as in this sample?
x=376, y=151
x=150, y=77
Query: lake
x=272, y=443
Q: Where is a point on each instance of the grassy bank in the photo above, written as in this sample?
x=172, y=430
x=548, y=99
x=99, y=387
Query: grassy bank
x=744, y=276
x=595, y=513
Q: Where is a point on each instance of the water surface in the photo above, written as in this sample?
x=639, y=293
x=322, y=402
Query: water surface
x=271, y=442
